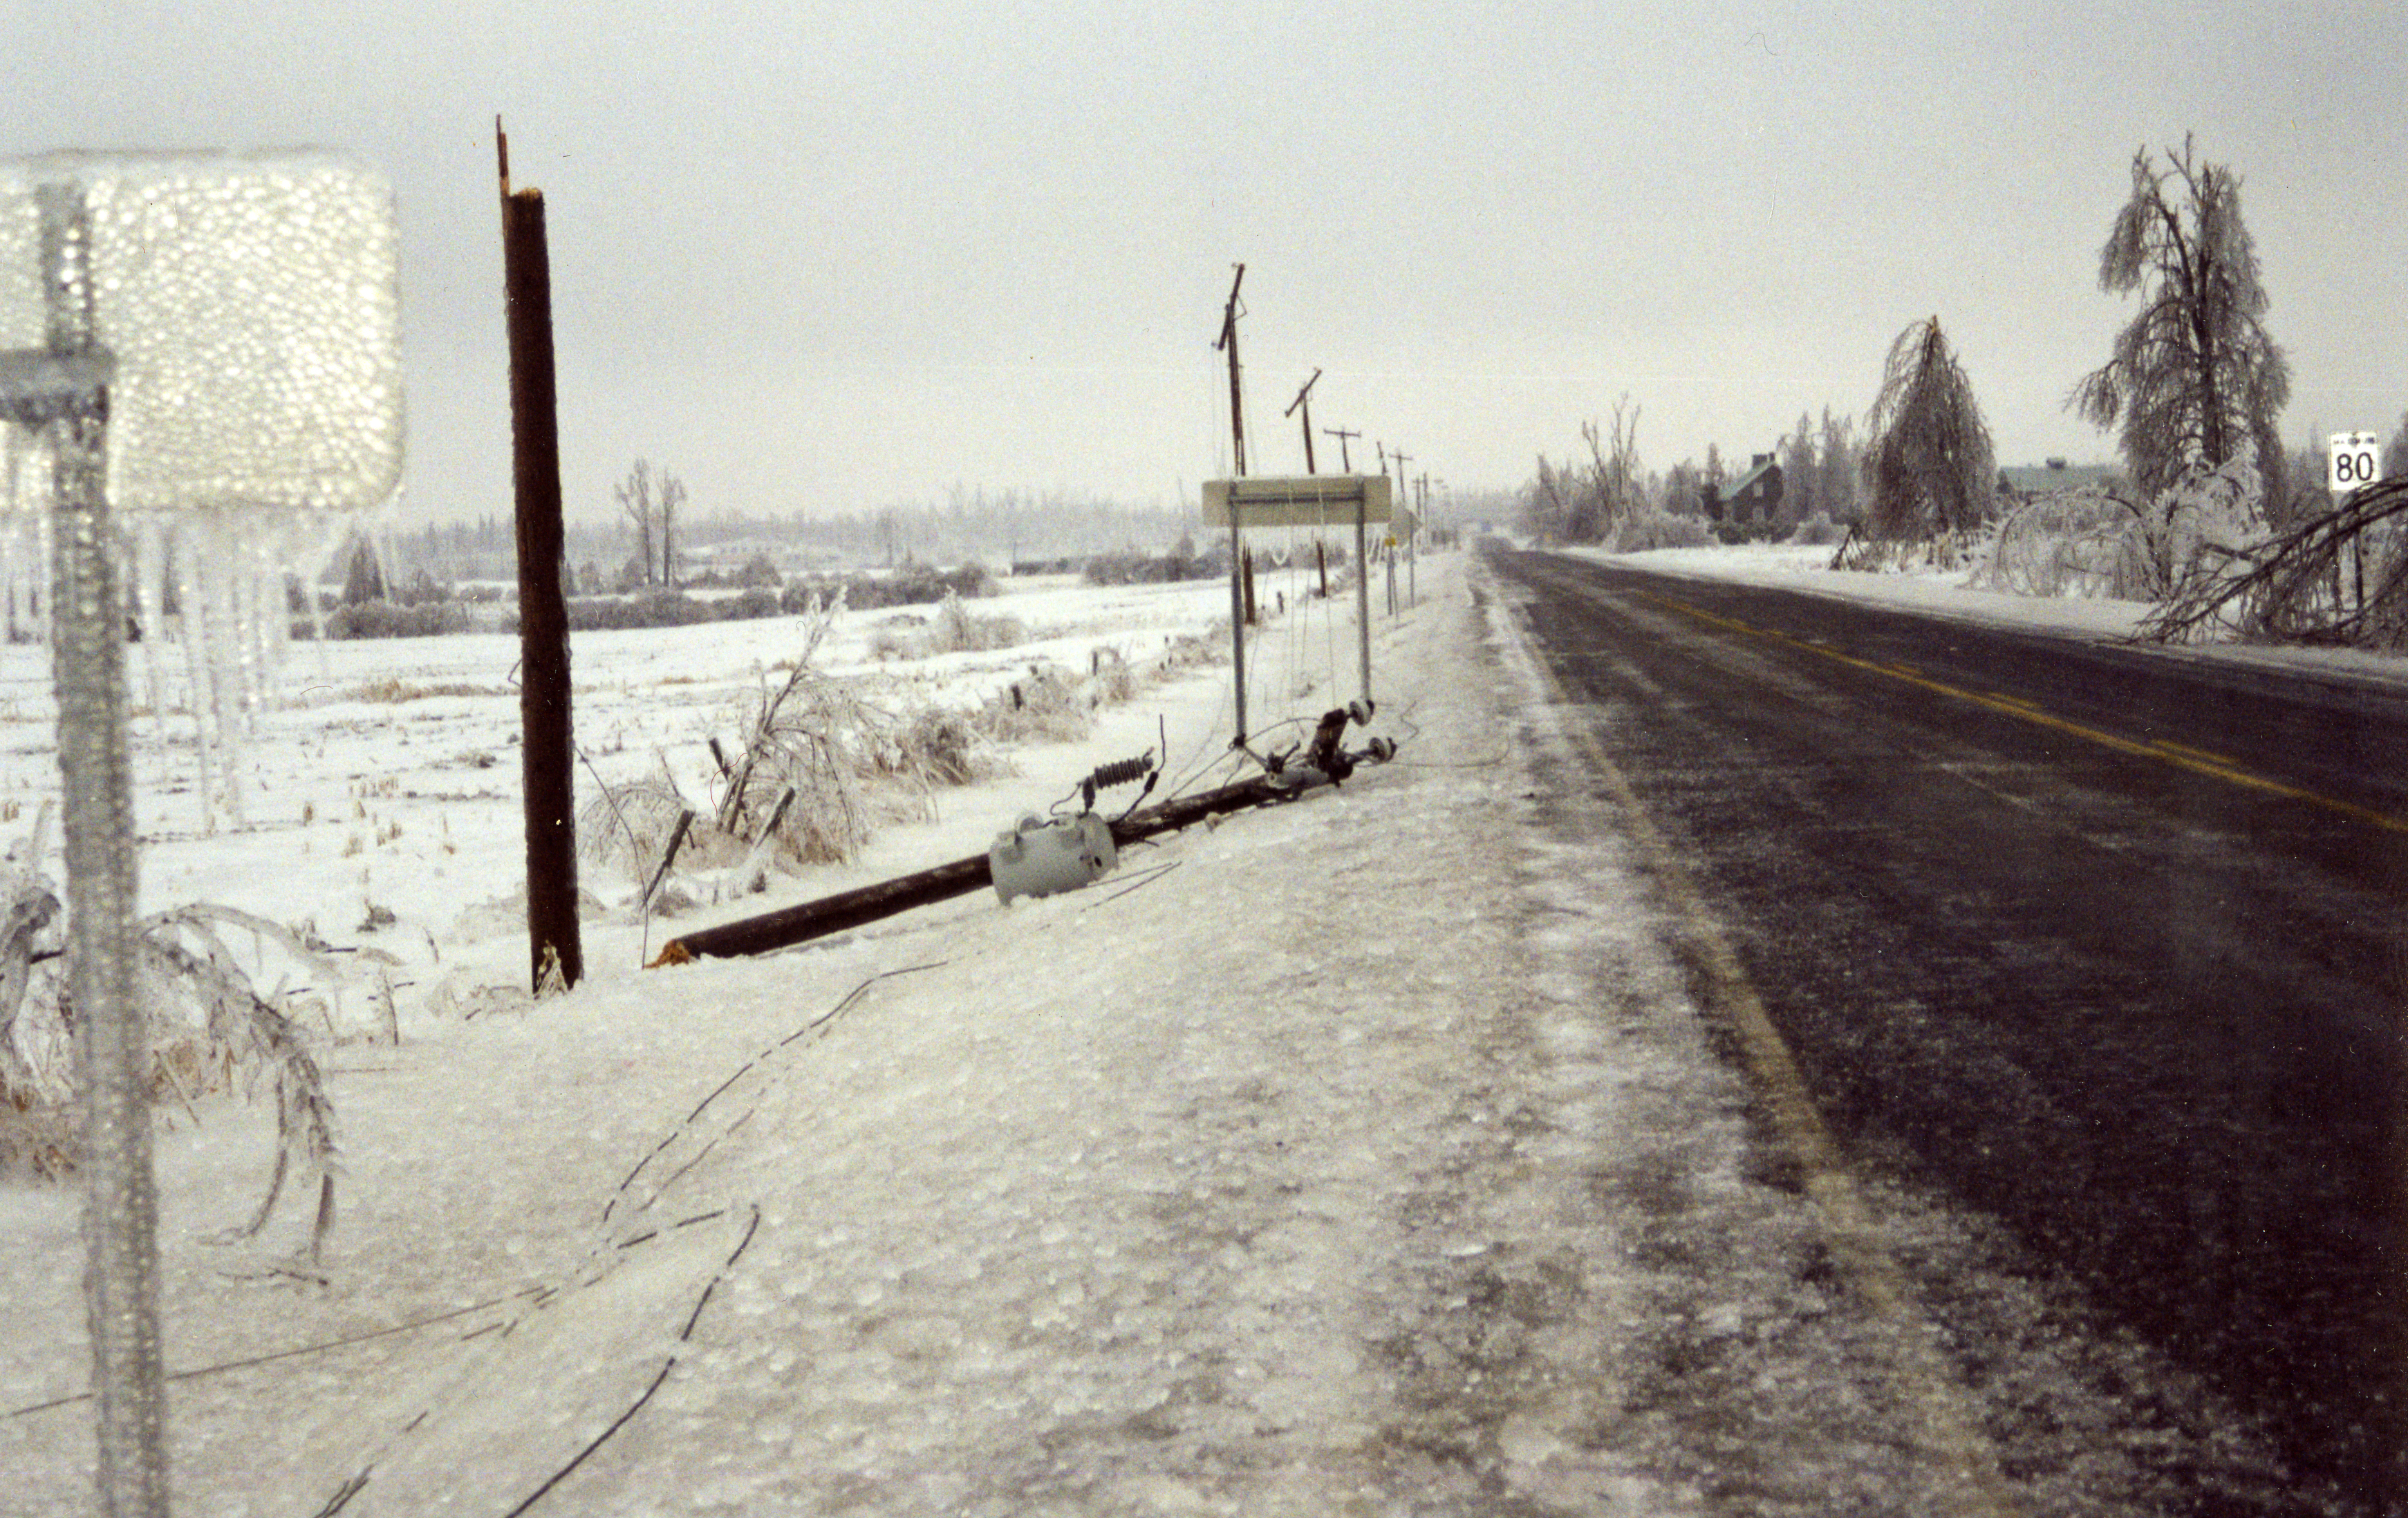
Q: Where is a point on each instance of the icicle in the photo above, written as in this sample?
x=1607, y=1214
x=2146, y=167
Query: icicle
x=189, y=618
x=221, y=652
x=148, y=558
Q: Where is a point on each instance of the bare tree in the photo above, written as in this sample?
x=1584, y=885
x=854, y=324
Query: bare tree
x=1928, y=460
x=2194, y=381
x=1617, y=489
x=637, y=500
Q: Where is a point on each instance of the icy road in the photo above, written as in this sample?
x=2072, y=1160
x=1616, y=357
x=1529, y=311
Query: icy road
x=1406, y=1150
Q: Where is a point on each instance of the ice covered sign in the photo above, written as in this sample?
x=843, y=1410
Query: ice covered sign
x=1296, y=500
x=244, y=309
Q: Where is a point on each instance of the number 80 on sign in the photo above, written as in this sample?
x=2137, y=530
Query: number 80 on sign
x=2357, y=461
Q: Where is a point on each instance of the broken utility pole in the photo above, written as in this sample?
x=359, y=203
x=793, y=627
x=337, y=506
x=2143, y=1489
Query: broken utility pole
x=554, y=948
x=1304, y=401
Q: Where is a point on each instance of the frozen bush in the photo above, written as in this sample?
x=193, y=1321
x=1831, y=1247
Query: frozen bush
x=1649, y=527
x=1044, y=706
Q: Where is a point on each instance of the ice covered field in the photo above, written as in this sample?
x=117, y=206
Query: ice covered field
x=1364, y=1156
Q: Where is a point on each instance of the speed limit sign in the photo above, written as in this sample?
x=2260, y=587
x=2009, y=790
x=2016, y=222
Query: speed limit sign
x=2357, y=460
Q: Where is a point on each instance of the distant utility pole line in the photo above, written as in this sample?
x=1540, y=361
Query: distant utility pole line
x=1304, y=400
x=1345, y=464
x=1228, y=340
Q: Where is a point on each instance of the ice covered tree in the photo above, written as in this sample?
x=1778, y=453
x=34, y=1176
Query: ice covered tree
x=2194, y=381
x=2395, y=453
x=670, y=502
x=1837, y=466
x=1928, y=468
x=1615, y=481
x=363, y=579
x=1799, y=500
x=635, y=499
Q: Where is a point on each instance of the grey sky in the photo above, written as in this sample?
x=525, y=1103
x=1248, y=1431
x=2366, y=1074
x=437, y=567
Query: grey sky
x=835, y=256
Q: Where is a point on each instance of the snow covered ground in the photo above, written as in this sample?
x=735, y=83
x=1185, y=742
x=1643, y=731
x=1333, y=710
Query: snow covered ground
x=1362, y=1155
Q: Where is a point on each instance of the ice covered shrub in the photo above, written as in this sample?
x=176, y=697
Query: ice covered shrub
x=210, y=1029
x=1045, y=705
x=1115, y=681
x=1649, y=526
x=626, y=829
x=957, y=629
x=2095, y=542
x=1817, y=531
x=954, y=629
x=936, y=746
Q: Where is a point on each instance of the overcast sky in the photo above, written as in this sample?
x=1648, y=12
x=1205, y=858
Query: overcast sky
x=836, y=256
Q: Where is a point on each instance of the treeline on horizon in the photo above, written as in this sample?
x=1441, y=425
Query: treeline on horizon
x=997, y=528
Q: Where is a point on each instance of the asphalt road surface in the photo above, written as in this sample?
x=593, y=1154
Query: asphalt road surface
x=2104, y=943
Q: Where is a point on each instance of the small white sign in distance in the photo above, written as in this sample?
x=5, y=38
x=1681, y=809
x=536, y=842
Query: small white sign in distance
x=2357, y=462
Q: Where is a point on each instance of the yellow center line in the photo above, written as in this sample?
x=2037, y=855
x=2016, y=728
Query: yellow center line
x=1944, y=1425
x=2194, y=760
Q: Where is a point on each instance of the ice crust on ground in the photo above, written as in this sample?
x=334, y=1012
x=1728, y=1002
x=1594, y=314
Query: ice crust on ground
x=1369, y=1157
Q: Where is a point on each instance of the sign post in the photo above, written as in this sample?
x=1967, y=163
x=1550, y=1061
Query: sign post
x=2355, y=461
x=1307, y=501
x=214, y=337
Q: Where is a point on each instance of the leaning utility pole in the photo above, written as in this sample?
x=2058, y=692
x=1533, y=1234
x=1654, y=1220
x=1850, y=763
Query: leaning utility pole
x=1303, y=399
x=1228, y=339
x=554, y=948
x=1345, y=464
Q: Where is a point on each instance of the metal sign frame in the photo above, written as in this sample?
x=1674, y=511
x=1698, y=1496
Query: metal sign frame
x=1299, y=500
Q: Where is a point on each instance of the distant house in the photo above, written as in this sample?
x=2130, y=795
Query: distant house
x=2053, y=475
x=1753, y=497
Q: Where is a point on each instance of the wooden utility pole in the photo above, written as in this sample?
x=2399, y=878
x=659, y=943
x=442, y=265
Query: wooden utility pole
x=1303, y=400
x=1346, y=462
x=1237, y=599
x=554, y=947
x=1404, y=499
x=1228, y=340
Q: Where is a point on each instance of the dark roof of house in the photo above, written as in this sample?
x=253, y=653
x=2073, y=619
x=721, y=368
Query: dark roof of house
x=1740, y=486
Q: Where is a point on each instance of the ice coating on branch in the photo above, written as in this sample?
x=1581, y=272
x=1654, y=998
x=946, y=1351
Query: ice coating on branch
x=251, y=303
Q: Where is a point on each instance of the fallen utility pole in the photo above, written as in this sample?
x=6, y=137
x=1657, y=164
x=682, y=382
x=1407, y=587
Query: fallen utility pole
x=791, y=925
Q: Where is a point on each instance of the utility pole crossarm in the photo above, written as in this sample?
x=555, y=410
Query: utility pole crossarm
x=1345, y=460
